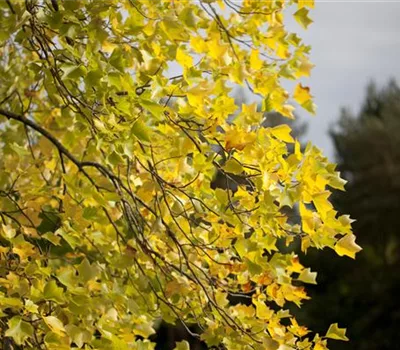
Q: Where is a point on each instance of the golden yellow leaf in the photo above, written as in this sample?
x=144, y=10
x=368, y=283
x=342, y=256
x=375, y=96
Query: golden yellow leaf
x=347, y=246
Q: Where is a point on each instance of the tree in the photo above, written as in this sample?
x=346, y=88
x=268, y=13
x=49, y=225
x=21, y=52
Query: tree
x=368, y=152
x=109, y=221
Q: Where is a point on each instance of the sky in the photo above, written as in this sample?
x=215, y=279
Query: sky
x=353, y=42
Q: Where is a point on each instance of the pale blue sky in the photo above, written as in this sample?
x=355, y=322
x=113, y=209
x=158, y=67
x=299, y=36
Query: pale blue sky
x=352, y=43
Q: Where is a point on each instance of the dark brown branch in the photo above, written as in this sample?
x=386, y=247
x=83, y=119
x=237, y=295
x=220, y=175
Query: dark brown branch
x=10, y=6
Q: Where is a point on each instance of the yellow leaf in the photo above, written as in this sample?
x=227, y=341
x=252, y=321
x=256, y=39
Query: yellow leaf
x=255, y=62
x=216, y=49
x=236, y=73
x=304, y=98
x=302, y=94
x=334, y=332
x=263, y=312
x=182, y=345
x=347, y=246
x=287, y=111
x=322, y=203
x=304, y=68
x=108, y=47
x=144, y=330
x=307, y=276
x=307, y=219
x=7, y=231
x=54, y=324
x=233, y=166
x=303, y=3
x=283, y=51
x=238, y=139
x=183, y=58
x=221, y=298
x=282, y=132
x=321, y=345
x=198, y=44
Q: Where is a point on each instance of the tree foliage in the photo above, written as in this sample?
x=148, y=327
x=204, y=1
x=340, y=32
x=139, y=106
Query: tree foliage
x=368, y=150
x=109, y=219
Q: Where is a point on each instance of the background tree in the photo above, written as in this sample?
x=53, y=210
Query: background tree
x=364, y=293
x=109, y=222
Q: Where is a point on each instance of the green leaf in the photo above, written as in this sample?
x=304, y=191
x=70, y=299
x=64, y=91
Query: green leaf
x=141, y=131
x=10, y=302
x=87, y=271
x=53, y=292
x=154, y=108
x=79, y=336
x=19, y=330
x=73, y=72
x=253, y=268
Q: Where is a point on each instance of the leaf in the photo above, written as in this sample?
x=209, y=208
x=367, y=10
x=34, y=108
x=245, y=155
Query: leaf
x=263, y=311
x=31, y=307
x=73, y=72
x=53, y=292
x=282, y=132
x=183, y=58
x=7, y=231
x=253, y=268
x=198, y=44
x=19, y=330
x=255, y=62
x=143, y=330
x=334, y=332
x=302, y=18
x=303, y=97
x=322, y=203
x=266, y=105
x=51, y=237
x=301, y=94
x=154, y=108
x=54, y=324
x=87, y=271
x=233, y=166
x=78, y=335
x=182, y=345
x=347, y=246
x=307, y=276
x=10, y=302
x=238, y=139
x=221, y=195
x=141, y=131
x=221, y=298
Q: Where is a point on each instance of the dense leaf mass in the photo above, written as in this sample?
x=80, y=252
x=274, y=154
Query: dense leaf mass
x=109, y=222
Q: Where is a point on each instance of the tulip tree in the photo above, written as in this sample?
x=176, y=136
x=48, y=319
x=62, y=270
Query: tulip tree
x=115, y=117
